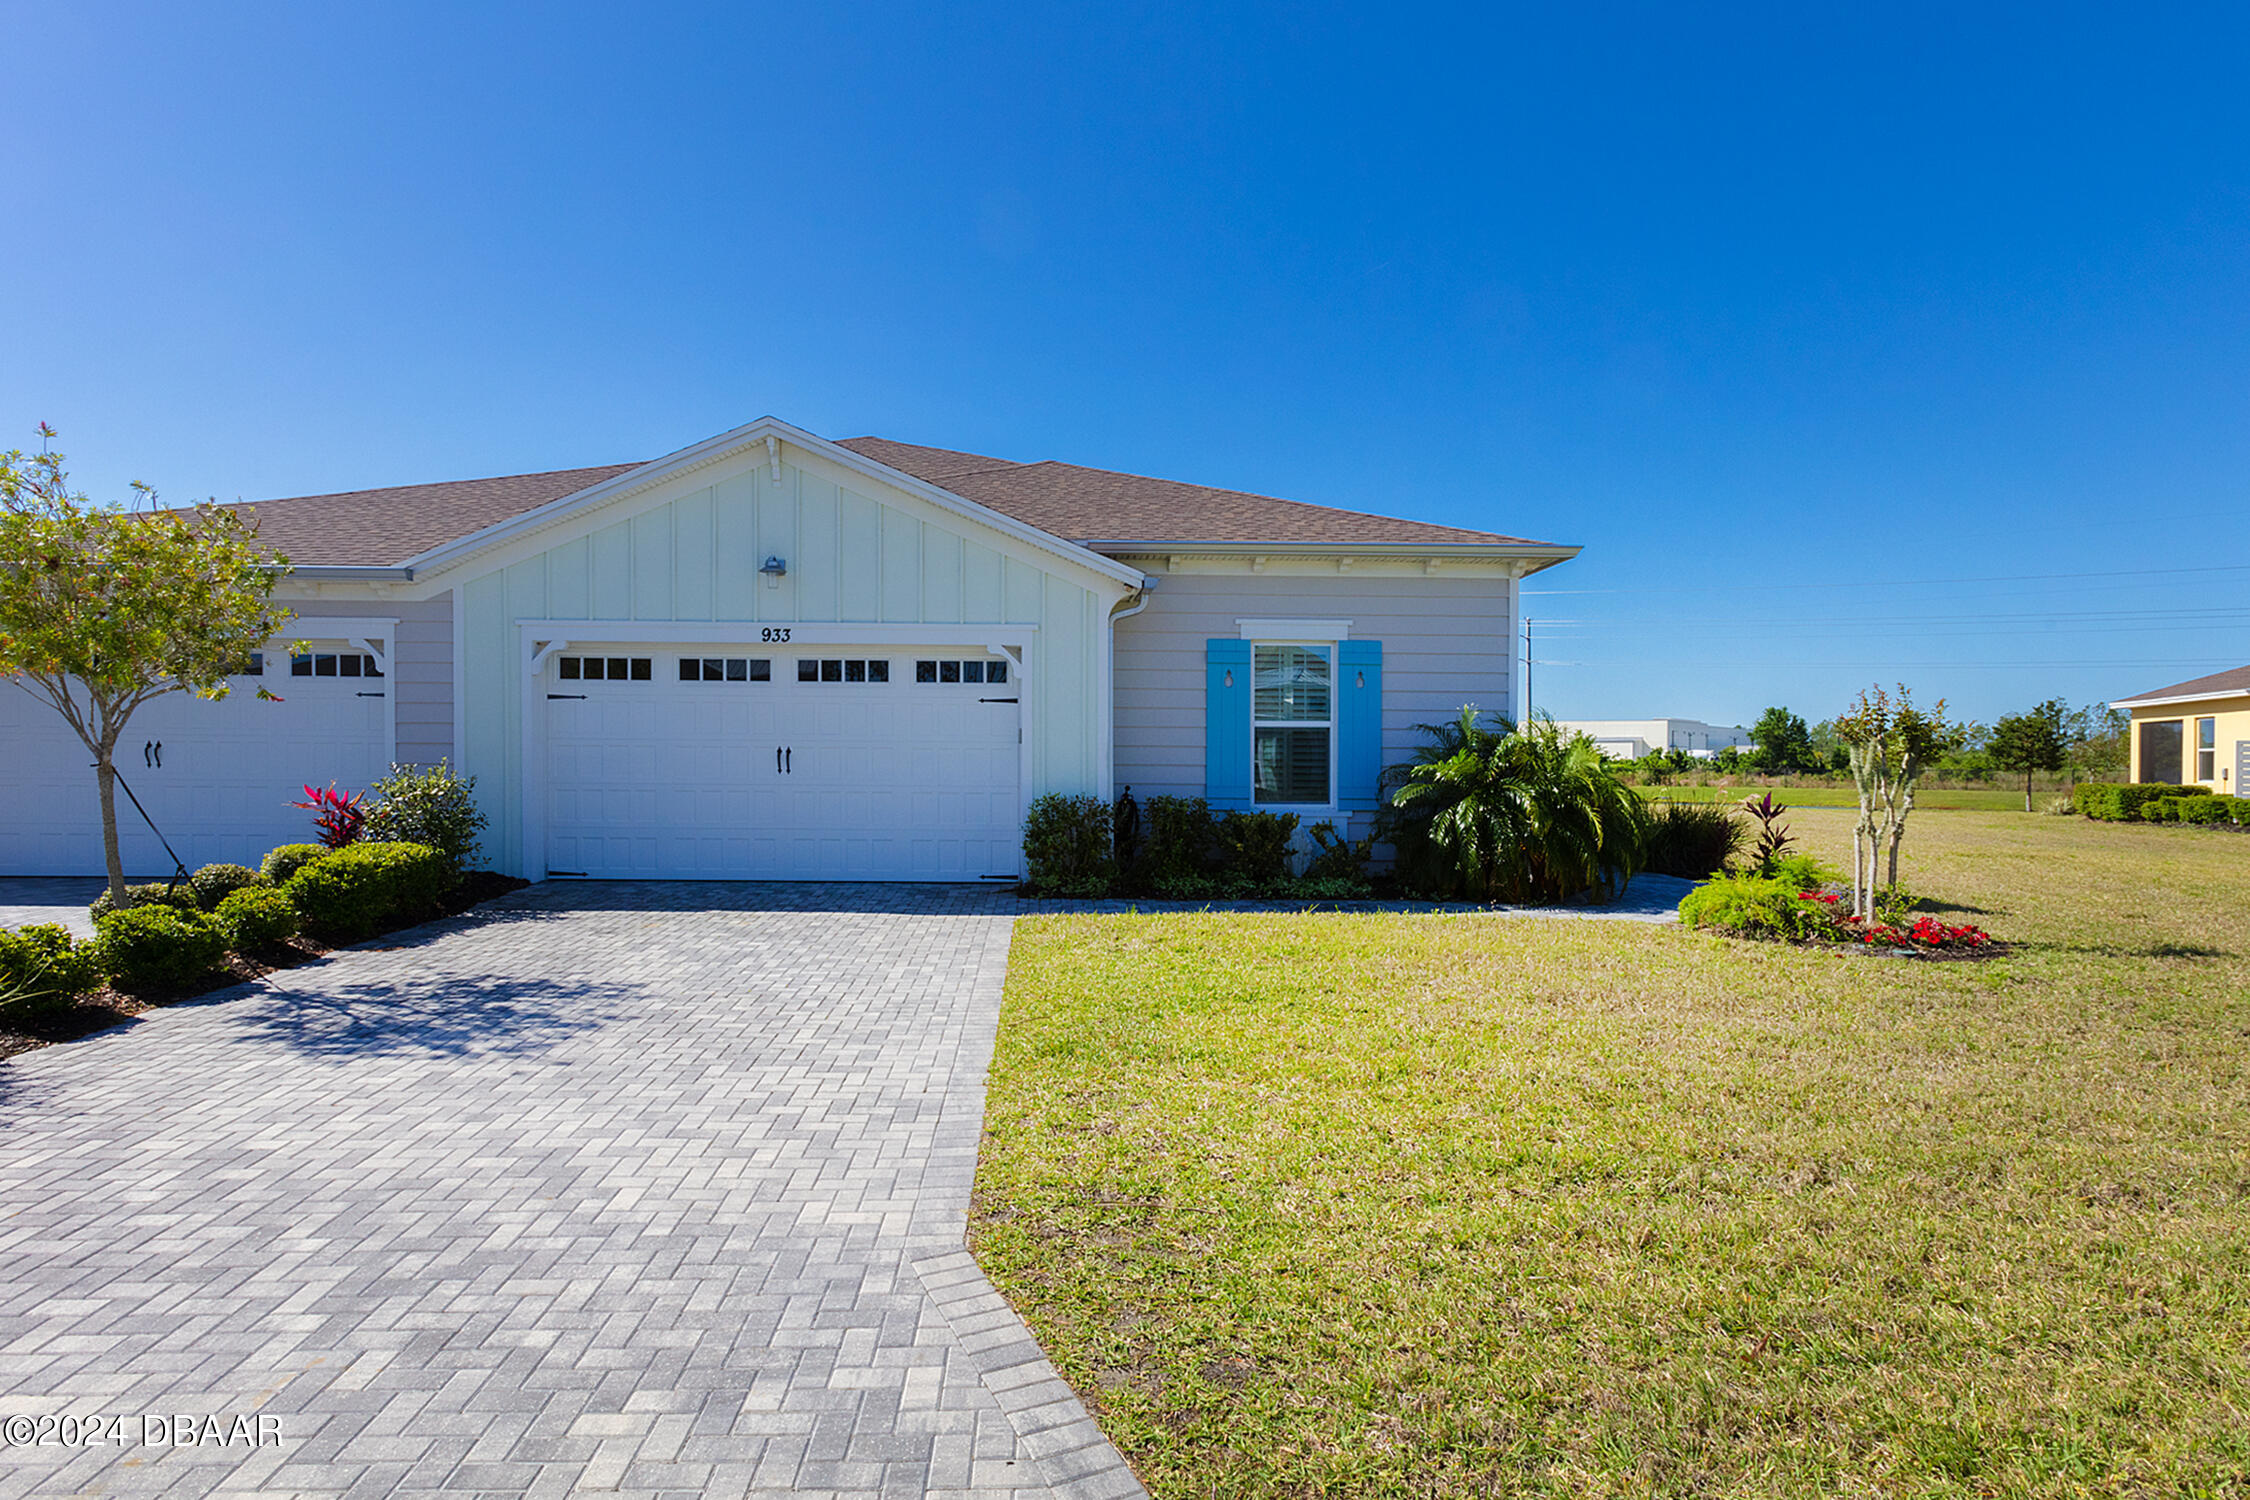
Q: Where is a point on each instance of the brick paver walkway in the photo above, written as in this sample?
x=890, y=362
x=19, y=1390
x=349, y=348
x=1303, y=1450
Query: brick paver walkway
x=631, y=1189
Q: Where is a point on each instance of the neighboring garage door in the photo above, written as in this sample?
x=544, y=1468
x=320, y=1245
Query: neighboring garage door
x=760, y=764
x=217, y=777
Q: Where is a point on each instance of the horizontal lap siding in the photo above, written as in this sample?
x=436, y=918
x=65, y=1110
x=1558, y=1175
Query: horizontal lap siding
x=421, y=669
x=1446, y=642
x=855, y=553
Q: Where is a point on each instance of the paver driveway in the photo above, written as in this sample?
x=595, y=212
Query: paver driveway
x=651, y=1189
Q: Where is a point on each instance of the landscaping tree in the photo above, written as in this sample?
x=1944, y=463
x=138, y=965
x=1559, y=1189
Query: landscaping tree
x=1890, y=744
x=1784, y=743
x=102, y=609
x=2099, y=737
x=2029, y=742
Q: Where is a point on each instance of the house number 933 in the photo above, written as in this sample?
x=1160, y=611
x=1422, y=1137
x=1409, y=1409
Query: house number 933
x=771, y=634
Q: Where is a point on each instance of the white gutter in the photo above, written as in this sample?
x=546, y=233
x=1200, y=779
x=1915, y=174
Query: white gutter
x=1107, y=687
x=2222, y=694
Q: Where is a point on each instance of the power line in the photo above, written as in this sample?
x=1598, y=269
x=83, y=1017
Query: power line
x=1885, y=666
x=1899, y=583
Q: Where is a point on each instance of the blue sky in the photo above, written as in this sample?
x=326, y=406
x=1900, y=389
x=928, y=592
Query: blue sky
x=1767, y=307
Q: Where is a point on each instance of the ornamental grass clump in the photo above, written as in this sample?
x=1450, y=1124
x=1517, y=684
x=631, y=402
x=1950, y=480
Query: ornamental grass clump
x=1692, y=839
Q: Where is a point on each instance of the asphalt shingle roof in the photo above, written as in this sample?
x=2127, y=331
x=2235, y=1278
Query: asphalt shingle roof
x=2217, y=685
x=1101, y=505
x=385, y=527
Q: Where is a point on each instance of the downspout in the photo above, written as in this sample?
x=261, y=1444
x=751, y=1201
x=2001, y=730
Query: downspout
x=1124, y=609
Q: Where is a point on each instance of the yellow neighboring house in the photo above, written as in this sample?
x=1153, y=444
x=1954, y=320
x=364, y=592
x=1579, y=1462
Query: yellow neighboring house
x=2194, y=732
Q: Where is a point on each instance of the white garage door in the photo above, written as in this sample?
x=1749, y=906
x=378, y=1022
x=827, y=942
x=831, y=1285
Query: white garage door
x=746, y=763
x=217, y=777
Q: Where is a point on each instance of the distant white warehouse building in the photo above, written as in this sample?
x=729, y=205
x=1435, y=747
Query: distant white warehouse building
x=1630, y=739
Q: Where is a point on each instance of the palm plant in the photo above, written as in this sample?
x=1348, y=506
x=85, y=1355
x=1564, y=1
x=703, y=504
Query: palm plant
x=1527, y=814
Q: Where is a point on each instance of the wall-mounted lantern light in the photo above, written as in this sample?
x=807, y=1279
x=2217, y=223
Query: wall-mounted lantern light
x=775, y=570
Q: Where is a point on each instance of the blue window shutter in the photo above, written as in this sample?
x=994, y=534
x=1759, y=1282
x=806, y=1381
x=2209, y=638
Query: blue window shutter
x=1226, y=723
x=1359, y=723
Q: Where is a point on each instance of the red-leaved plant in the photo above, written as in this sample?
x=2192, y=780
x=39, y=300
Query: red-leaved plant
x=339, y=817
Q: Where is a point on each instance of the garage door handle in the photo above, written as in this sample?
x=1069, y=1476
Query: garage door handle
x=146, y=758
x=788, y=761
x=367, y=695
x=999, y=700
x=551, y=696
x=160, y=755
x=777, y=760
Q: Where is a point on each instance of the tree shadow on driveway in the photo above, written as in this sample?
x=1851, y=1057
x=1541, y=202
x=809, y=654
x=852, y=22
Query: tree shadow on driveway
x=476, y=1015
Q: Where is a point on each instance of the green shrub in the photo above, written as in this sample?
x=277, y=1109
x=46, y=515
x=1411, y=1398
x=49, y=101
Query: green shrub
x=426, y=805
x=2122, y=803
x=155, y=893
x=1805, y=872
x=1067, y=848
x=289, y=859
x=257, y=918
x=2209, y=808
x=1193, y=886
x=1337, y=859
x=1178, y=840
x=41, y=965
x=160, y=947
x=214, y=883
x=362, y=889
x=1755, y=906
x=1693, y=839
x=1312, y=887
x=1254, y=847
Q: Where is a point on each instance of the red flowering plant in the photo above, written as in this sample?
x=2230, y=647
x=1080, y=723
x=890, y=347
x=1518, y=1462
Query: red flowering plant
x=338, y=817
x=1925, y=931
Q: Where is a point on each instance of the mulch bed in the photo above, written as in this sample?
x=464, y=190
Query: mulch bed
x=46, y=1025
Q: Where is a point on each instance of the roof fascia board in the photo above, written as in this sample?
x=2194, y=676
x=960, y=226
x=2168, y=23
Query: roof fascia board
x=1552, y=552
x=348, y=573
x=2219, y=696
x=726, y=444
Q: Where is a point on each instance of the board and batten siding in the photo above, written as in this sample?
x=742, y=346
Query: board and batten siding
x=1446, y=641
x=858, y=553
x=421, y=665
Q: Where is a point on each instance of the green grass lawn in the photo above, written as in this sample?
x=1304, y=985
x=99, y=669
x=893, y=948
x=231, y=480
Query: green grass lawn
x=1450, y=1206
x=1938, y=799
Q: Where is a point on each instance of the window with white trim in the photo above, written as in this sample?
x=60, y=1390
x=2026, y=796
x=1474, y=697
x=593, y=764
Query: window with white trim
x=2206, y=749
x=1293, y=723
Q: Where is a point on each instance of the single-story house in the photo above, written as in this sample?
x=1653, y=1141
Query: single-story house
x=2196, y=731
x=773, y=656
x=1630, y=739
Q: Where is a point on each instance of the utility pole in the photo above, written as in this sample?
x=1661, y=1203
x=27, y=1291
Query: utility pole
x=1525, y=717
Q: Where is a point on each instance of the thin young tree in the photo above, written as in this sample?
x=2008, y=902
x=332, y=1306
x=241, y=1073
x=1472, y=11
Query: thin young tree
x=2030, y=742
x=103, y=608
x=1890, y=743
